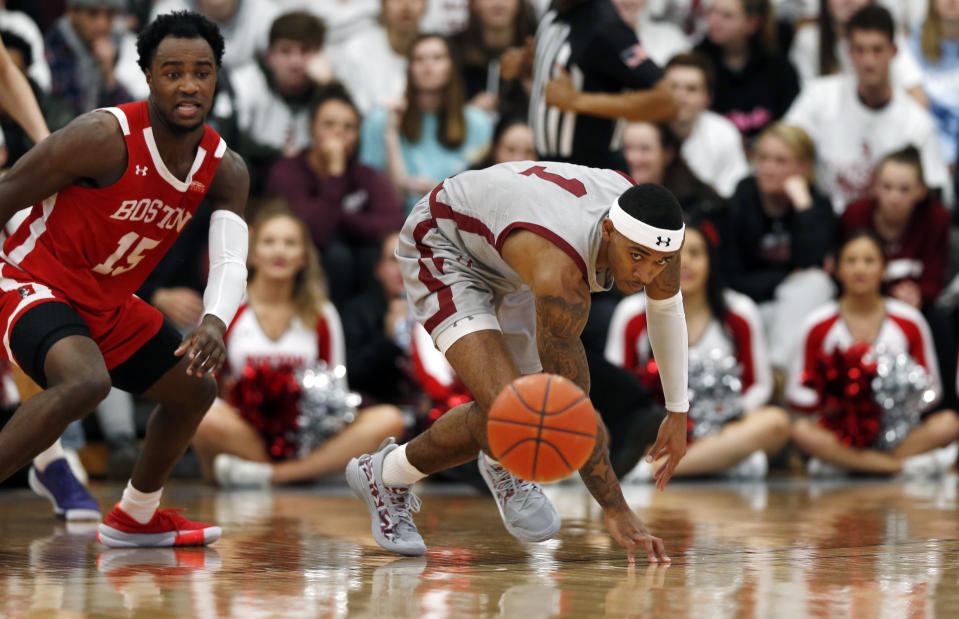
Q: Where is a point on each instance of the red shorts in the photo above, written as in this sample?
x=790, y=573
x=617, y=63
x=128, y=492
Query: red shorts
x=119, y=332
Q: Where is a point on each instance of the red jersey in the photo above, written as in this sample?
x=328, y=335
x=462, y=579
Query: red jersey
x=97, y=246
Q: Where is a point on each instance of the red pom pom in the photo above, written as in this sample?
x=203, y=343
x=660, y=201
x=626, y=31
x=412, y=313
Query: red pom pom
x=843, y=381
x=268, y=398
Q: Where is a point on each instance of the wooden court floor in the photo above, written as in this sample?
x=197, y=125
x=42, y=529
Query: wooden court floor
x=785, y=548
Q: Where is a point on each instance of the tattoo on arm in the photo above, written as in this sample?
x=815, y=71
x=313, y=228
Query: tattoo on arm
x=559, y=323
x=666, y=284
x=598, y=473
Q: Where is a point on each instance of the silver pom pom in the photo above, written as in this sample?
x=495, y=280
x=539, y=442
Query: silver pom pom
x=326, y=406
x=903, y=390
x=715, y=386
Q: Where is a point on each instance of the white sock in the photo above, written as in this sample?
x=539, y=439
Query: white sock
x=48, y=455
x=397, y=470
x=140, y=505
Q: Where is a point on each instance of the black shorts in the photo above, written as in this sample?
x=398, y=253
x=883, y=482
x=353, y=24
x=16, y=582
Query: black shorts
x=41, y=326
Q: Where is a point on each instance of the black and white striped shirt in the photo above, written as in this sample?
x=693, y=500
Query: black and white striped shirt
x=602, y=54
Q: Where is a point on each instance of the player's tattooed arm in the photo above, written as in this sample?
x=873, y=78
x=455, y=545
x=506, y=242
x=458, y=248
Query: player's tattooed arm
x=666, y=284
x=598, y=473
x=559, y=323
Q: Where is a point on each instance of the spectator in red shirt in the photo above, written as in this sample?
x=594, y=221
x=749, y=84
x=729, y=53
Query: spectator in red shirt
x=913, y=226
x=914, y=229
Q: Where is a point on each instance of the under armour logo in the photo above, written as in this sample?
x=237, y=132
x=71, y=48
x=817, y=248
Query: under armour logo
x=142, y=170
x=664, y=242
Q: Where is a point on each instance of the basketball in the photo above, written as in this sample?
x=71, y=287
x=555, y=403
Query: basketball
x=541, y=427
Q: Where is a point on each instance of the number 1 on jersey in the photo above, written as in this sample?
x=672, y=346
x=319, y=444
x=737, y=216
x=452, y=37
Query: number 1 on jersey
x=572, y=185
x=133, y=258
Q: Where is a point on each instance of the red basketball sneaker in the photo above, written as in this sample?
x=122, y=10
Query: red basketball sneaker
x=166, y=528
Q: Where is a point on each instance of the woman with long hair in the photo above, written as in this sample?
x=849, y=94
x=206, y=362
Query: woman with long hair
x=912, y=224
x=820, y=48
x=864, y=317
x=434, y=134
x=286, y=321
x=493, y=27
x=781, y=231
x=755, y=82
x=722, y=324
x=935, y=44
x=652, y=153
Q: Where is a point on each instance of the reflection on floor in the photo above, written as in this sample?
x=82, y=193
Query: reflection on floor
x=786, y=548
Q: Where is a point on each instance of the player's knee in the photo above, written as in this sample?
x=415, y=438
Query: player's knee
x=206, y=391
x=86, y=391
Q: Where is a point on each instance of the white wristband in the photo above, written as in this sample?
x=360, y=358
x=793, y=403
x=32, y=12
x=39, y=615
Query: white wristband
x=229, y=242
x=669, y=339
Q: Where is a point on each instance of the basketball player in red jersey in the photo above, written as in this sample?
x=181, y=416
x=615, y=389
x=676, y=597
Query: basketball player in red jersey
x=111, y=192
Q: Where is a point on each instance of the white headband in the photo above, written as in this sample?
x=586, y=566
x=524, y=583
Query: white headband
x=644, y=234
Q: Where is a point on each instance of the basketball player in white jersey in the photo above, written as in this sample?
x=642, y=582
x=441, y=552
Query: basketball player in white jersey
x=499, y=265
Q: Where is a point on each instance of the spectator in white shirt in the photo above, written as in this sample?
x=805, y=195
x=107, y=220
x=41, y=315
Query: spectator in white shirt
x=857, y=119
x=660, y=38
x=712, y=145
x=244, y=24
x=23, y=25
x=822, y=48
x=272, y=98
x=372, y=64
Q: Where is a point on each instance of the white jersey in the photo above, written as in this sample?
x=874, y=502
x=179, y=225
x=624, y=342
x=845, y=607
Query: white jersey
x=449, y=249
x=298, y=346
x=562, y=202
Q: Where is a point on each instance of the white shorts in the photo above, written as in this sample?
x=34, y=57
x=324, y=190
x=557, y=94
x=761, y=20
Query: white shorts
x=451, y=298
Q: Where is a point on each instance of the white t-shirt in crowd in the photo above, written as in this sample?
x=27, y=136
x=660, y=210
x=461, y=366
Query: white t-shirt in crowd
x=264, y=116
x=246, y=35
x=904, y=72
x=714, y=152
x=661, y=39
x=23, y=26
x=342, y=18
x=372, y=72
x=851, y=138
x=445, y=17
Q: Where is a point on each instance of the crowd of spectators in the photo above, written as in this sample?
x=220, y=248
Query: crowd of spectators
x=784, y=129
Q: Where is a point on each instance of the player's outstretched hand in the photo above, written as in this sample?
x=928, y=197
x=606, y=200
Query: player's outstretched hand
x=205, y=345
x=630, y=532
x=670, y=444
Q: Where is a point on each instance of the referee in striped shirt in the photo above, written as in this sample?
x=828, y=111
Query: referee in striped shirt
x=589, y=69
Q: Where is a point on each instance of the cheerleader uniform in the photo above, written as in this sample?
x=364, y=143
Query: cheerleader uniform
x=739, y=334
x=903, y=330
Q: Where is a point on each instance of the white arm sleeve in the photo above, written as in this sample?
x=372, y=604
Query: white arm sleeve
x=229, y=243
x=669, y=340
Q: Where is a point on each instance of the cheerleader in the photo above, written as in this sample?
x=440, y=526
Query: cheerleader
x=722, y=324
x=286, y=320
x=862, y=316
